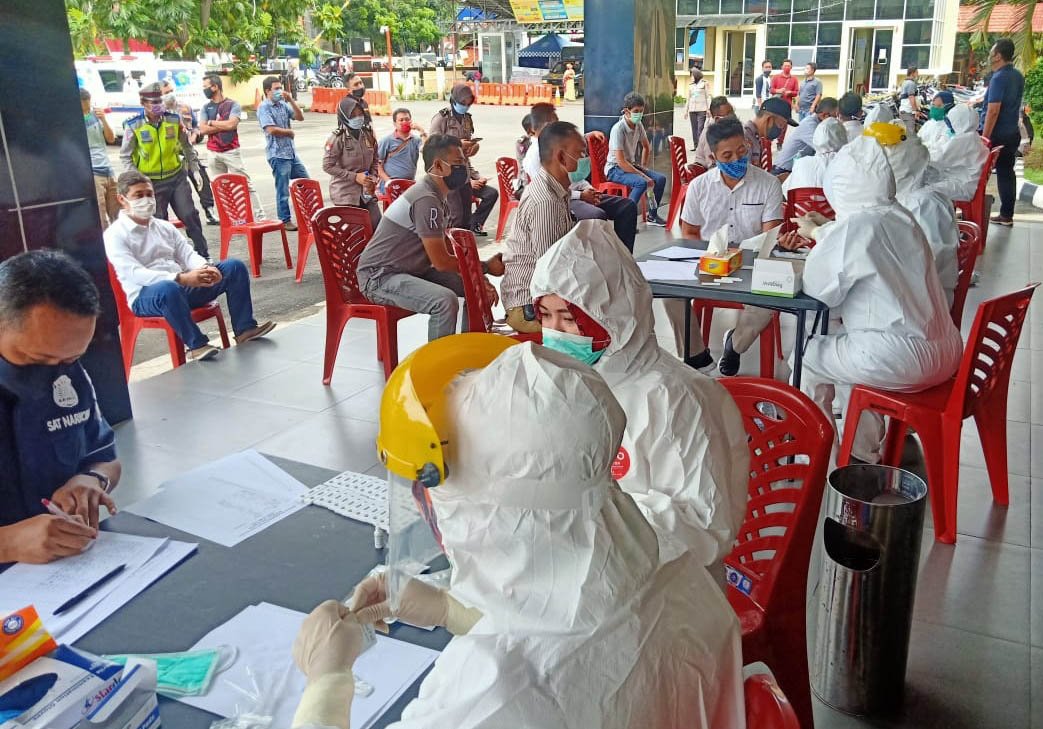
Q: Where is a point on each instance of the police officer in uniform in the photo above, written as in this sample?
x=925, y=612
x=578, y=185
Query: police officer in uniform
x=456, y=121
x=194, y=166
x=351, y=154
x=154, y=143
x=54, y=441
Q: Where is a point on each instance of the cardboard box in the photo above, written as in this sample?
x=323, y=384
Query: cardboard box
x=132, y=704
x=723, y=265
x=776, y=278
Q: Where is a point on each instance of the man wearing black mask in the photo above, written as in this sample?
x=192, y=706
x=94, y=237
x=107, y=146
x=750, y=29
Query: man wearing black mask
x=407, y=263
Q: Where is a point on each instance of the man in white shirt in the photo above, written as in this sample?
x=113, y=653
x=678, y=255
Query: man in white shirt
x=746, y=199
x=162, y=275
x=586, y=202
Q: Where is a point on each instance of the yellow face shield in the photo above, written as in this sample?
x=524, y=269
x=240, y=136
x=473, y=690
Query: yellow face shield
x=412, y=410
x=885, y=133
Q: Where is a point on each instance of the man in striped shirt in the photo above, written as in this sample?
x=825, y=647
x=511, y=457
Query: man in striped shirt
x=542, y=218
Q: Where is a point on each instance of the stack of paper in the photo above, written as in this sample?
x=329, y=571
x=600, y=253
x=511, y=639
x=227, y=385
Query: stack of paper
x=669, y=270
x=48, y=586
x=679, y=253
x=264, y=668
x=225, y=501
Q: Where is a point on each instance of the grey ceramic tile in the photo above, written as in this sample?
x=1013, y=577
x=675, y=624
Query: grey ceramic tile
x=232, y=369
x=975, y=585
x=297, y=343
x=300, y=386
x=1018, y=451
x=1019, y=401
x=979, y=516
x=364, y=405
x=325, y=440
x=1036, y=603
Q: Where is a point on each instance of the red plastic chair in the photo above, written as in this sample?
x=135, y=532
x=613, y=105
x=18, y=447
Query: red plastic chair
x=966, y=255
x=801, y=201
x=768, y=571
x=597, y=150
x=479, y=308
x=232, y=198
x=131, y=325
x=341, y=234
x=306, y=195
x=974, y=210
x=682, y=175
x=979, y=389
x=766, y=706
x=506, y=176
x=396, y=187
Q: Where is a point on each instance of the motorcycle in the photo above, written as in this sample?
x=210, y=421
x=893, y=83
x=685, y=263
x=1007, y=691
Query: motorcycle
x=329, y=80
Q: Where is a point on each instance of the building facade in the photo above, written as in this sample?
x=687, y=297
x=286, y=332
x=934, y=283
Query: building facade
x=859, y=45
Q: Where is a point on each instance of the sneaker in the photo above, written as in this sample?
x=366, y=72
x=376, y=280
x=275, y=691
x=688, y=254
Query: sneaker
x=289, y=225
x=210, y=219
x=729, y=364
x=655, y=220
x=204, y=353
x=258, y=331
x=1000, y=220
x=479, y=233
x=702, y=362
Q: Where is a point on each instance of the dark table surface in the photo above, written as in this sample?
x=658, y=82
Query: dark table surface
x=310, y=556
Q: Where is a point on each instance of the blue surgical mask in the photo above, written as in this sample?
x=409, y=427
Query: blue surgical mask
x=735, y=170
x=189, y=673
x=277, y=95
x=460, y=108
x=637, y=116
x=574, y=345
x=582, y=170
x=356, y=122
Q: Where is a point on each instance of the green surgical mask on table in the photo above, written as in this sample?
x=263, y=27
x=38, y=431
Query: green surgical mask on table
x=189, y=673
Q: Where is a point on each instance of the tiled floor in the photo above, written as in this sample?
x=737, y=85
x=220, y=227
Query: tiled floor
x=976, y=659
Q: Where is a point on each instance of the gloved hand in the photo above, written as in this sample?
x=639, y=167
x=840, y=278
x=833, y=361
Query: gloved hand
x=329, y=641
x=808, y=224
x=420, y=604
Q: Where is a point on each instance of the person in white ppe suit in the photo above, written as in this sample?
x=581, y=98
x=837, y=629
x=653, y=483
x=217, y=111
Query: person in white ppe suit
x=684, y=457
x=576, y=622
x=931, y=209
x=874, y=268
x=937, y=130
x=879, y=113
x=956, y=169
x=830, y=136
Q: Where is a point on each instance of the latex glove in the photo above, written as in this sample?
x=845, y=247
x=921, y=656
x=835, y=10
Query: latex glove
x=807, y=225
x=329, y=641
x=420, y=604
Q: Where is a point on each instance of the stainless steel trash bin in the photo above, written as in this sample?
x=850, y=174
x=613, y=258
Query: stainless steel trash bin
x=864, y=606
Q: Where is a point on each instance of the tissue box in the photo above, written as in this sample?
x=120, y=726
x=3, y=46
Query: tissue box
x=723, y=265
x=775, y=278
x=83, y=681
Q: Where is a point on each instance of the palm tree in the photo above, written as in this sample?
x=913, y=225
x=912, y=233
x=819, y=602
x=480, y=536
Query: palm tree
x=1020, y=29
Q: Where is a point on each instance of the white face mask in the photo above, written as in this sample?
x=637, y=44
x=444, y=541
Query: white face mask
x=143, y=207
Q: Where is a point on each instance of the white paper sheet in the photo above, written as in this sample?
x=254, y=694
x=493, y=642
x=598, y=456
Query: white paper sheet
x=669, y=270
x=264, y=636
x=225, y=501
x=47, y=586
x=763, y=243
x=678, y=253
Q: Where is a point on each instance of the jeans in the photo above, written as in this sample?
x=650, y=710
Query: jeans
x=436, y=293
x=638, y=185
x=175, y=303
x=284, y=170
x=620, y=210
x=175, y=192
x=1006, y=182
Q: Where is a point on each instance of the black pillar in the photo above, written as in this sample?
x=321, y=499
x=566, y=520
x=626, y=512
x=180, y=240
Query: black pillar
x=47, y=197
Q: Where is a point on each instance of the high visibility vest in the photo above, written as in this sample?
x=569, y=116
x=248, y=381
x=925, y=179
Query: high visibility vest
x=157, y=152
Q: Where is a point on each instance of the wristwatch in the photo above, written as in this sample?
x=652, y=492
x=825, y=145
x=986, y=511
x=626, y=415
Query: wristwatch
x=103, y=480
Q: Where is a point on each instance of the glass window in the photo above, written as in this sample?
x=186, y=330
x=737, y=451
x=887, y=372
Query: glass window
x=759, y=7
x=890, y=8
x=831, y=10
x=828, y=57
x=777, y=56
x=801, y=57
x=731, y=7
x=829, y=34
x=918, y=32
x=919, y=56
x=687, y=7
x=860, y=10
x=919, y=9
x=805, y=11
x=778, y=34
x=803, y=34
x=709, y=7
x=779, y=9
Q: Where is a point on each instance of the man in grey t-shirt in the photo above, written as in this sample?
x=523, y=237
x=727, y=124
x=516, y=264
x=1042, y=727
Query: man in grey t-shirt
x=810, y=92
x=909, y=103
x=407, y=263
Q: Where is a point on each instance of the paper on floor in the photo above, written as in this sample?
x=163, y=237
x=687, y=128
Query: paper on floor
x=264, y=636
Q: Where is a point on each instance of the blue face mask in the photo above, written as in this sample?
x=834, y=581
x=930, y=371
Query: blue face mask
x=460, y=108
x=356, y=122
x=582, y=170
x=574, y=345
x=186, y=674
x=277, y=95
x=735, y=170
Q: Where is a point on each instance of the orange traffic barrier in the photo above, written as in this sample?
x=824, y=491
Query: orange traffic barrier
x=491, y=93
x=539, y=93
x=474, y=90
x=514, y=94
x=379, y=102
x=318, y=99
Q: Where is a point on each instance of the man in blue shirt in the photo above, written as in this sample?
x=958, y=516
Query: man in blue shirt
x=1003, y=110
x=399, y=152
x=800, y=143
x=274, y=115
x=54, y=441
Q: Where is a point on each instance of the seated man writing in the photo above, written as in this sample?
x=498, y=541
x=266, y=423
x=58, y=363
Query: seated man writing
x=407, y=262
x=162, y=275
x=54, y=442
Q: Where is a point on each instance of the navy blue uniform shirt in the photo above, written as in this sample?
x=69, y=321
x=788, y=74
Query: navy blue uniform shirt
x=1006, y=86
x=50, y=430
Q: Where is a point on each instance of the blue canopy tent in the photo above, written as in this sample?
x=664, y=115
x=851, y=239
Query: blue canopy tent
x=545, y=52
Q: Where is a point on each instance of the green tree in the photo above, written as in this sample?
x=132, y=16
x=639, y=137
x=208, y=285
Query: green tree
x=1020, y=30
x=413, y=23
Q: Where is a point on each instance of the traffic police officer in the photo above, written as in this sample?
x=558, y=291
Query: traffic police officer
x=54, y=441
x=155, y=144
x=197, y=173
x=456, y=121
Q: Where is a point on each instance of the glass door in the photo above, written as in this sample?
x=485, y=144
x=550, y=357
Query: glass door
x=882, y=53
x=749, y=63
x=740, y=48
x=860, y=60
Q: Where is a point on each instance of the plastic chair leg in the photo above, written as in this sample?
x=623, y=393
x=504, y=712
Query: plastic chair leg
x=935, y=438
x=226, y=239
x=335, y=323
x=304, y=243
x=505, y=212
x=768, y=352
x=992, y=429
x=894, y=441
x=390, y=348
x=676, y=198
x=776, y=326
x=225, y=342
x=253, y=245
x=286, y=249
x=381, y=333
x=177, y=348
x=129, y=340
x=851, y=417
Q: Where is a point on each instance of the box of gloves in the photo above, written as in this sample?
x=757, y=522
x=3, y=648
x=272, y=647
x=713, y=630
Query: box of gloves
x=776, y=278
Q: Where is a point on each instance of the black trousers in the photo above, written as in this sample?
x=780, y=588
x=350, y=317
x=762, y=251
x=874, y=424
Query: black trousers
x=176, y=193
x=1006, y=181
x=620, y=210
x=460, y=215
x=698, y=120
